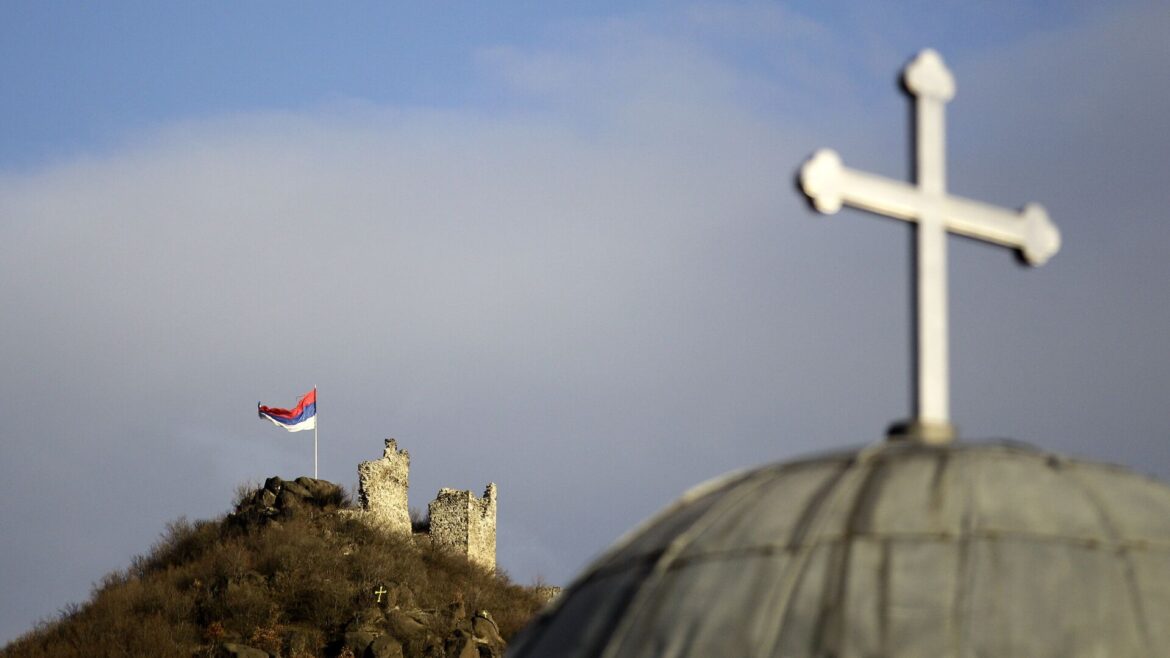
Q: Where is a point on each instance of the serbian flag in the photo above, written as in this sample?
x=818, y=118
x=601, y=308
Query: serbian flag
x=301, y=417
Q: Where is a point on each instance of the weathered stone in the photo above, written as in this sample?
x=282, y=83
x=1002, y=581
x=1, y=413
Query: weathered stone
x=457, y=520
x=413, y=629
x=397, y=595
x=384, y=647
x=456, y=611
x=287, y=501
x=461, y=645
x=295, y=488
x=234, y=650
x=284, y=499
x=382, y=487
x=298, y=643
x=547, y=593
x=322, y=491
x=358, y=641
x=371, y=619
x=462, y=523
x=484, y=629
x=406, y=626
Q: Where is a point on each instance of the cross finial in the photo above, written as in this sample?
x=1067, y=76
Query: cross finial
x=830, y=185
x=928, y=76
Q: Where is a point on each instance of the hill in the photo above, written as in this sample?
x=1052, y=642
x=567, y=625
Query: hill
x=289, y=574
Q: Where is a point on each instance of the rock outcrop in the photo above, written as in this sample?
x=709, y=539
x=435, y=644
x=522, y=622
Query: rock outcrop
x=283, y=499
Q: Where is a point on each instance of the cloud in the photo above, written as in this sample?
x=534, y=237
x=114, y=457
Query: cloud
x=508, y=293
x=596, y=293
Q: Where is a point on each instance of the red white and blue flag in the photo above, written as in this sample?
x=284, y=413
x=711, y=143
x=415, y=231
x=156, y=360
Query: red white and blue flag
x=301, y=417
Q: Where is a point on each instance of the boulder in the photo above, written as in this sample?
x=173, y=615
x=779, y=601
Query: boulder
x=460, y=644
x=323, y=492
x=288, y=502
x=413, y=629
x=484, y=629
x=298, y=642
x=371, y=620
x=384, y=646
x=359, y=641
x=283, y=499
x=456, y=612
x=406, y=626
x=295, y=488
x=234, y=650
x=398, y=596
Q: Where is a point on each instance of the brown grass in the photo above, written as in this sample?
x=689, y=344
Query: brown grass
x=263, y=584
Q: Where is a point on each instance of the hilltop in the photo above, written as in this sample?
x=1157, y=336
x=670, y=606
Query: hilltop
x=290, y=573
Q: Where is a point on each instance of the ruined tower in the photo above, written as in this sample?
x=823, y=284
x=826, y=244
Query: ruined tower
x=466, y=524
x=459, y=522
x=383, y=485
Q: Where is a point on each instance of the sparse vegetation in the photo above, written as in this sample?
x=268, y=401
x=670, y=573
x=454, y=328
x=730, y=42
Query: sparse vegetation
x=292, y=584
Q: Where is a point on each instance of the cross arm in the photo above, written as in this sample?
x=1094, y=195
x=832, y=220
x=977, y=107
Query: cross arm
x=830, y=185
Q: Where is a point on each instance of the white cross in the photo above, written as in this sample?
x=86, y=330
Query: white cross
x=829, y=184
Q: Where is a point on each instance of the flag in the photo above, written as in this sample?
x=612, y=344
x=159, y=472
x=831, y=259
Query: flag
x=301, y=417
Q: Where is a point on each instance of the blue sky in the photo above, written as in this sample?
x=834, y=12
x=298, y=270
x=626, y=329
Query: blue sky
x=559, y=248
x=93, y=75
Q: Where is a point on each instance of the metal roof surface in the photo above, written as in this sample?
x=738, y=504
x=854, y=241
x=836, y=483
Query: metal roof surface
x=898, y=549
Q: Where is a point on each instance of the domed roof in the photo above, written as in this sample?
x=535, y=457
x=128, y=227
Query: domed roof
x=899, y=549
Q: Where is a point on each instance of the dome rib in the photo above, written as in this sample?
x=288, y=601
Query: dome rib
x=743, y=489
x=1123, y=547
x=965, y=566
x=832, y=629
x=818, y=516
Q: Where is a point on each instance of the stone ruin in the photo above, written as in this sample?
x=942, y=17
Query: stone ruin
x=382, y=487
x=466, y=524
x=459, y=521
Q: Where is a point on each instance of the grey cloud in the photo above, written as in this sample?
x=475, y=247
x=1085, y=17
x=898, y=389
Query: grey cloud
x=597, y=300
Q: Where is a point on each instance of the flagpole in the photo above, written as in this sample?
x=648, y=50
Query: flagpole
x=316, y=422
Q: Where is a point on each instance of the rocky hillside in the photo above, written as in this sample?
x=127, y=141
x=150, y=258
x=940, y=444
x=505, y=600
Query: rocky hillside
x=288, y=575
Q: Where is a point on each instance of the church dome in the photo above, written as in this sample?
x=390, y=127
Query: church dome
x=898, y=549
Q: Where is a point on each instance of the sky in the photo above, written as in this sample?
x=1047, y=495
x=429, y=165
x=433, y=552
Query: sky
x=555, y=246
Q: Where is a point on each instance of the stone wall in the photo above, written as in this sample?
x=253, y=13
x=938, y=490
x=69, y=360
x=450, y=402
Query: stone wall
x=382, y=490
x=481, y=529
x=459, y=521
x=547, y=593
x=465, y=524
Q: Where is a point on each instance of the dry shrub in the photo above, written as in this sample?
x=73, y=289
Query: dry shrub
x=265, y=583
